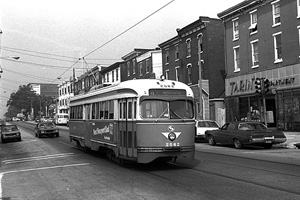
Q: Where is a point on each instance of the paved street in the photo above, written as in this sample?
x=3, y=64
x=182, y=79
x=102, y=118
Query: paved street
x=53, y=168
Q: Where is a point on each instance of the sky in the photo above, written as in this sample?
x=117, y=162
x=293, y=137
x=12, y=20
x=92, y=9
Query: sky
x=49, y=36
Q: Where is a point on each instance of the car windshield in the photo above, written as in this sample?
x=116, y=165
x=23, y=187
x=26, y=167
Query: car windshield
x=9, y=128
x=47, y=124
x=162, y=109
x=208, y=124
x=251, y=126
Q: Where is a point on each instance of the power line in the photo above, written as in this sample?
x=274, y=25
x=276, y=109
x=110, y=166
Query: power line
x=3, y=47
x=39, y=64
x=129, y=28
x=21, y=51
x=67, y=69
x=28, y=75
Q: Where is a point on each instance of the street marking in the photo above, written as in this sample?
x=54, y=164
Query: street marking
x=66, y=144
x=35, y=169
x=42, y=168
x=19, y=160
x=1, y=175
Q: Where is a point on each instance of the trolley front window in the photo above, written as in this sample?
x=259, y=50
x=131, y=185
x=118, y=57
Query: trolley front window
x=162, y=109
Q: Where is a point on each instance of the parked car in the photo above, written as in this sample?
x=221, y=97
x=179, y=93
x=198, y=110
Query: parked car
x=2, y=122
x=46, y=128
x=15, y=119
x=10, y=132
x=37, y=120
x=245, y=133
x=204, y=125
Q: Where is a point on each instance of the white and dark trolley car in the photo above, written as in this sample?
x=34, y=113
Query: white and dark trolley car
x=139, y=120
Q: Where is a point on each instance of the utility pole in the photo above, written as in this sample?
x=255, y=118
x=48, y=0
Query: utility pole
x=200, y=78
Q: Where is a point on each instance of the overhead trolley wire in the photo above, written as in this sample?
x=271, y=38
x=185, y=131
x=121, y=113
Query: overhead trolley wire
x=129, y=28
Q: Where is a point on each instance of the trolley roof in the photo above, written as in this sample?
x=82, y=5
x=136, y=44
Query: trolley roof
x=131, y=88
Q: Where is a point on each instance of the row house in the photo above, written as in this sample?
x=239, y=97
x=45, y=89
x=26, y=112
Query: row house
x=263, y=42
x=65, y=92
x=112, y=74
x=138, y=64
x=199, y=45
x=86, y=81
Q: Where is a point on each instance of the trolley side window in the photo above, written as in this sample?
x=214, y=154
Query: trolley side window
x=111, y=109
x=76, y=112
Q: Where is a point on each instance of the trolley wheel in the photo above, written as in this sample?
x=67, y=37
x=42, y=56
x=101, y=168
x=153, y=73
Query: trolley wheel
x=2, y=140
x=78, y=145
x=109, y=154
x=237, y=143
x=268, y=146
x=211, y=140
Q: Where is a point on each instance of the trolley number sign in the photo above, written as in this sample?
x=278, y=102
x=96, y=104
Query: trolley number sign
x=167, y=92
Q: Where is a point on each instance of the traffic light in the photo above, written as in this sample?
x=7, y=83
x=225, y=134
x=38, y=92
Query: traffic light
x=258, y=85
x=266, y=85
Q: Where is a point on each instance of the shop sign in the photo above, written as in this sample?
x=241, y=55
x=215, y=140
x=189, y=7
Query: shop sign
x=242, y=86
x=248, y=85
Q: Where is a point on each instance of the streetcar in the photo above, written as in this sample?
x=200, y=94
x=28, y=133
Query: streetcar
x=137, y=120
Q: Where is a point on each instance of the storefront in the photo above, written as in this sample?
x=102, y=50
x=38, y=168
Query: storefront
x=282, y=102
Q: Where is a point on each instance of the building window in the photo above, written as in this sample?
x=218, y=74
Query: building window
x=235, y=25
x=253, y=22
x=176, y=52
x=276, y=12
x=147, y=66
x=177, y=73
x=128, y=68
x=254, y=53
x=299, y=34
x=277, y=47
x=200, y=40
x=107, y=77
x=113, y=76
x=236, y=57
x=189, y=72
x=188, y=48
x=167, y=56
x=117, y=74
x=141, y=67
x=167, y=74
x=133, y=66
x=298, y=8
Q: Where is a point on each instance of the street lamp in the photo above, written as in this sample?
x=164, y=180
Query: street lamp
x=5, y=58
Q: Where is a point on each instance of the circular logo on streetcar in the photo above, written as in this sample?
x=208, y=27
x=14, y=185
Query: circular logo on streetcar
x=172, y=136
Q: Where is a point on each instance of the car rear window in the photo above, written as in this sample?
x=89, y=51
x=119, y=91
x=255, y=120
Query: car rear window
x=9, y=128
x=208, y=124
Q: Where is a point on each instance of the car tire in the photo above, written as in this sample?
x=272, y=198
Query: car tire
x=211, y=140
x=237, y=143
x=2, y=140
x=268, y=146
x=38, y=135
x=57, y=134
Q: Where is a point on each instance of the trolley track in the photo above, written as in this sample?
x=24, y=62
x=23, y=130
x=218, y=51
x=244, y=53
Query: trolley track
x=277, y=176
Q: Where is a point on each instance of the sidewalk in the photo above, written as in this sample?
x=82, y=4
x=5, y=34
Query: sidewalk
x=292, y=139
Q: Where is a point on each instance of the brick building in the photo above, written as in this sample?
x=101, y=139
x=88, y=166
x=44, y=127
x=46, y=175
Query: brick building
x=180, y=59
x=262, y=42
